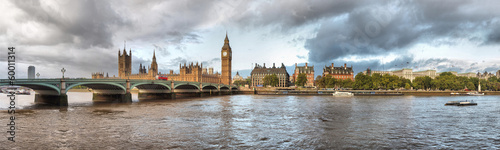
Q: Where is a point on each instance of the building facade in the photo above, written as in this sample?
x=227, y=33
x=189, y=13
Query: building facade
x=342, y=72
x=308, y=70
x=409, y=74
x=259, y=72
x=31, y=72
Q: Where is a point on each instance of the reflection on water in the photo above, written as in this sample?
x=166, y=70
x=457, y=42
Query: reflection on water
x=258, y=122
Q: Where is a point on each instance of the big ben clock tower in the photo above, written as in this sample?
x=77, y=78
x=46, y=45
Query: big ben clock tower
x=226, y=57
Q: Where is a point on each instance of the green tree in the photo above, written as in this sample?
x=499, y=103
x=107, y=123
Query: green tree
x=407, y=86
x=301, y=79
x=362, y=81
x=240, y=82
x=471, y=86
x=271, y=80
x=319, y=82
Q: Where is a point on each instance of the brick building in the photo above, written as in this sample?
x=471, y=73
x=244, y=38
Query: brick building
x=342, y=72
x=308, y=70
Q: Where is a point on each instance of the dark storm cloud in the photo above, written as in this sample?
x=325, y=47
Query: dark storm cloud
x=395, y=26
x=210, y=63
x=83, y=35
x=289, y=14
x=82, y=23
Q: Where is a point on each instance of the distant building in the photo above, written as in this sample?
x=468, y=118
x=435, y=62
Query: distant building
x=409, y=74
x=259, y=72
x=485, y=75
x=308, y=70
x=237, y=77
x=498, y=74
x=193, y=72
x=31, y=72
x=342, y=72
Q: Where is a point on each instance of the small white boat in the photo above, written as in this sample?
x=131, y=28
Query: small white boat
x=475, y=94
x=467, y=103
x=337, y=93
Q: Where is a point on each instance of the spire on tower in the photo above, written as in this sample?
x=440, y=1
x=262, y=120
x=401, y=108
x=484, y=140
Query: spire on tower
x=227, y=39
x=154, y=55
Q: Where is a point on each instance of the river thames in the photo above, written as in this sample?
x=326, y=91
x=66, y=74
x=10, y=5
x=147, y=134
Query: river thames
x=257, y=122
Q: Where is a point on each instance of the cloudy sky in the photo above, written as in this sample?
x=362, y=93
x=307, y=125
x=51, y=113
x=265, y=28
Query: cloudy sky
x=84, y=36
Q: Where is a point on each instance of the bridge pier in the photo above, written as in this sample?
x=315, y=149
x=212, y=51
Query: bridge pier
x=127, y=97
x=147, y=96
x=61, y=100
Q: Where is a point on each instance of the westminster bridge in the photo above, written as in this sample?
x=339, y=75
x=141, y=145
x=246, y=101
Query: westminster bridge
x=53, y=91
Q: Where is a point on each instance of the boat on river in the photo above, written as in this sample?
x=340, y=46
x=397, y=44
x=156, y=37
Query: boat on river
x=342, y=94
x=475, y=94
x=461, y=103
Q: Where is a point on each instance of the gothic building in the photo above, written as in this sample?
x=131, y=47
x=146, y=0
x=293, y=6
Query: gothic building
x=196, y=72
x=226, y=58
x=192, y=72
x=124, y=63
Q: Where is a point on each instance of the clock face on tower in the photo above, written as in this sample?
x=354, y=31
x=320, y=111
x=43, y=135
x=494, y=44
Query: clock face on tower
x=224, y=53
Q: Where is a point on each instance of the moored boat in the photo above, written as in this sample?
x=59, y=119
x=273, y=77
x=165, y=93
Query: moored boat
x=475, y=94
x=337, y=93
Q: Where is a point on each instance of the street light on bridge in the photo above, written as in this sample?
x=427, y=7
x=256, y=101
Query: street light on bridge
x=38, y=75
x=63, y=70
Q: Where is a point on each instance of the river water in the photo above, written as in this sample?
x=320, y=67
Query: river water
x=257, y=122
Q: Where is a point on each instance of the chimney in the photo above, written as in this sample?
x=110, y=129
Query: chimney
x=295, y=63
x=274, y=66
x=264, y=65
x=345, y=65
x=306, y=64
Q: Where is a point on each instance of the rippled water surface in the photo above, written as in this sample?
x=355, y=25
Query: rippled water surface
x=257, y=122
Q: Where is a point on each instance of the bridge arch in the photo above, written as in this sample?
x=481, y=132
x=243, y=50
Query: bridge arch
x=209, y=87
x=186, y=86
x=161, y=85
x=234, y=88
x=37, y=87
x=224, y=88
x=99, y=85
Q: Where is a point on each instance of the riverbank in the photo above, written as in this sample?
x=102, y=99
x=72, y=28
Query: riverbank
x=329, y=92
x=376, y=92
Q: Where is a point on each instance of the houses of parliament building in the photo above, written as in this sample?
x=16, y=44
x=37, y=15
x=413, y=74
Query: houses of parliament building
x=191, y=72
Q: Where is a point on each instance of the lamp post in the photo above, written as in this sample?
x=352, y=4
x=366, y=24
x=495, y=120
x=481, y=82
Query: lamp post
x=63, y=70
x=38, y=75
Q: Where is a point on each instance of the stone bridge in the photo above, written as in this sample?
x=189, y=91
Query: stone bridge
x=54, y=90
